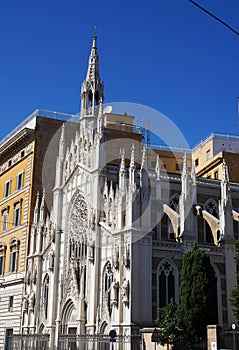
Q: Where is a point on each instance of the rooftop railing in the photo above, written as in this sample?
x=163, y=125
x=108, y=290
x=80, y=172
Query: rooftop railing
x=40, y=113
x=214, y=135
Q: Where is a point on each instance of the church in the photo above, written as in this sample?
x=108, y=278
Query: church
x=108, y=250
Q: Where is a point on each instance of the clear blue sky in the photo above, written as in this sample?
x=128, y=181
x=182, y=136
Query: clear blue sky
x=166, y=54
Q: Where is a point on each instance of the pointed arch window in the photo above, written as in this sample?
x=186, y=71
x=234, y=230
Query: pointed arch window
x=167, y=283
x=212, y=208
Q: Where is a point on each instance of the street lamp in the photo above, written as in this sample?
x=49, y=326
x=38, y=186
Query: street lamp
x=233, y=333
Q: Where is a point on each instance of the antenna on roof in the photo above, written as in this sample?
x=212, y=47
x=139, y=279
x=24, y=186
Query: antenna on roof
x=148, y=132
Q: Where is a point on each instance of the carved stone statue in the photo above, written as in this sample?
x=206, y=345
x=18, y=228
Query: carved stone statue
x=51, y=260
x=91, y=249
x=116, y=257
x=32, y=300
x=92, y=220
x=114, y=293
x=34, y=275
x=126, y=256
x=25, y=302
x=125, y=291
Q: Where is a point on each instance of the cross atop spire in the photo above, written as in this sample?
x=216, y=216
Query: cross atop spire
x=94, y=28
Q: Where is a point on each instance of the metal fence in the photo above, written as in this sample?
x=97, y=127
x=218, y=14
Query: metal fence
x=30, y=342
x=98, y=342
x=185, y=344
x=75, y=342
x=229, y=340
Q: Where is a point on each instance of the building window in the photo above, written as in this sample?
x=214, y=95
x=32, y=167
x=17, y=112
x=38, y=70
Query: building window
x=22, y=154
x=2, y=258
x=216, y=175
x=5, y=213
x=167, y=283
x=208, y=154
x=10, y=303
x=14, y=248
x=17, y=213
x=178, y=166
x=9, y=162
x=196, y=162
x=7, y=188
x=4, y=221
x=19, y=181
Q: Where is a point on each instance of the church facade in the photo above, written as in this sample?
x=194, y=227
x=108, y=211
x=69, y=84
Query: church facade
x=109, y=251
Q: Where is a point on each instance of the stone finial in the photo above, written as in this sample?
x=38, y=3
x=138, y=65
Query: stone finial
x=157, y=168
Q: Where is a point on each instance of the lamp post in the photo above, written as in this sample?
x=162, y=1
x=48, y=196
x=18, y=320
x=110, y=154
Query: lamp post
x=233, y=334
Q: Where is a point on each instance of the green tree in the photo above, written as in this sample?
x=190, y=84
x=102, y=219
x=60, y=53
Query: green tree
x=234, y=300
x=168, y=323
x=198, y=294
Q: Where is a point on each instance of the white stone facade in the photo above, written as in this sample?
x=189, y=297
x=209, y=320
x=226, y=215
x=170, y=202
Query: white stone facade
x=96, y=257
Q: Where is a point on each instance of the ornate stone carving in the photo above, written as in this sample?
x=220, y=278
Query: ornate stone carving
x=79, y=217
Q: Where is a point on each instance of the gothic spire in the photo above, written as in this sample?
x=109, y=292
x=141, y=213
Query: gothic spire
x=122, y=172
x=36, y=209
x=92, y=90
x=42, y=207
x=93, y=72
x=225, y=185
x=62, y=142
x=144, y=169
x=193, y=173
x=132, y=179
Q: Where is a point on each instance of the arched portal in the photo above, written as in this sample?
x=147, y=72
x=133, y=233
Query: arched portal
x=69, y=323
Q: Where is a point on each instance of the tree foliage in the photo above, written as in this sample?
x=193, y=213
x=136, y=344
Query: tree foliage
x=198, y=294
x=234, y=300
x=168, y=323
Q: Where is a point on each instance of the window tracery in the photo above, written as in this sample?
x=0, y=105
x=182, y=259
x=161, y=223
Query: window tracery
x=167, y=277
